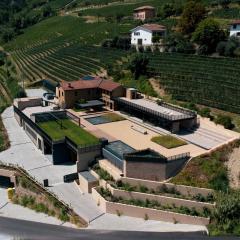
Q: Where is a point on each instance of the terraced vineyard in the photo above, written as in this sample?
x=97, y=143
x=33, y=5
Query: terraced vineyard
x=5, y=96
x=63, y=61
x=213, y=82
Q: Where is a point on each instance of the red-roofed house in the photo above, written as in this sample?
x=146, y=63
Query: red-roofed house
x=144, y=12
x=235, y=28
x=144, y=35
x=68, y=93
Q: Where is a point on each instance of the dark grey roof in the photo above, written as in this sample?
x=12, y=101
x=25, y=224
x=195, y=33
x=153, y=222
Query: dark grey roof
x=89, y=104
x=88, y=176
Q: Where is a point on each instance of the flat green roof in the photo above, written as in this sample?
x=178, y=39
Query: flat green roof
x=68, y=129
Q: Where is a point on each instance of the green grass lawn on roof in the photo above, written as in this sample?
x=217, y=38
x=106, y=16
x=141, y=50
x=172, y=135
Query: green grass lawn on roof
x=168, y=141
x=70, y=130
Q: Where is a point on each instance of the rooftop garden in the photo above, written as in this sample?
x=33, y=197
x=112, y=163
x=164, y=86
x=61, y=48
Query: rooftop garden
x=168, y=141
x=57, y=130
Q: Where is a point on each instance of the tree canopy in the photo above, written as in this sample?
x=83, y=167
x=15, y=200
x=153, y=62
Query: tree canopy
x=138, y=64
x=208, y=34
x=193, y=13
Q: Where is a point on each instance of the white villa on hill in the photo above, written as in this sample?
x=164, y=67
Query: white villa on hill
x=144, y=35
x=235, y=28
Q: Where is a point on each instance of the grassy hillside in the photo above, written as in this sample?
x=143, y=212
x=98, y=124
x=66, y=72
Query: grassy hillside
x=68, y=28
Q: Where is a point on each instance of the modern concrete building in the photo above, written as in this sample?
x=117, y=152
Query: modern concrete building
x=63, y=148
x=144, y=164
x=144, y=12
x=147, y=34
x=78, y=92
x=159, y=113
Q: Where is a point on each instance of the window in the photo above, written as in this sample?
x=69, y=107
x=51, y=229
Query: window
x=62, y=93
x=75, y=93
x=234, y=26
x=137, y=34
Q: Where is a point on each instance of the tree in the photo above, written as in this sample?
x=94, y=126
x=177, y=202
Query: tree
x=178, y=43
x=138, y=65
x=193, y=13
x=167, y=10
x=209, y=34
x=224, y=3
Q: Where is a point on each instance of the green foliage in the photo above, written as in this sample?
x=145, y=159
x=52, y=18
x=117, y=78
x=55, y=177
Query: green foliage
x=228, y=48
x=224, y=120
x=60, y=129
x=205, y=112
x=209, y=34
x=168, y=141
x=226, y=214
x=193, y=13
x=198, y=79
x=103, y=174
x=176, y=42
x=138, y=65
x=207, y=171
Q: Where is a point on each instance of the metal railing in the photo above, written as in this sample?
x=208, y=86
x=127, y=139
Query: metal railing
x=153, y=112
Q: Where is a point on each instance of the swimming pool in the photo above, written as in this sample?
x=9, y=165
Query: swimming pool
x=98, y=120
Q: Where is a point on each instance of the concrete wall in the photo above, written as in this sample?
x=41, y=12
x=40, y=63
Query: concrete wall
x=162, y=199
x=184, y=190
x=146, y=37
x=234, y=31
x=145, y=170
x=159, y=198
x=22, y=103
x=85, y=185
x=85, y=159
x=140, y=212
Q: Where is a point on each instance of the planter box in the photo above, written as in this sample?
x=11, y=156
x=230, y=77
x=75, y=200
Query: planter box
x=178, y=202
x=141, y=212
x=184, y=190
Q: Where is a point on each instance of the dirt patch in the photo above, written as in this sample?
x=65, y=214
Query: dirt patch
x=93, y=19
x=157, y=87
x=233, y=165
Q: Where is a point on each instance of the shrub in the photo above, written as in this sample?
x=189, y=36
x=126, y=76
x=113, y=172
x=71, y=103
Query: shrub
x=224, y=120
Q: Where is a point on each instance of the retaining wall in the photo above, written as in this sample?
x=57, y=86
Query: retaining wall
x=184, y=190
x=145, y=213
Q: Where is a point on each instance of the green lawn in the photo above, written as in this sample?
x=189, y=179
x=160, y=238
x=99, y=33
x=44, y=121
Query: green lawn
x=113, y=117
x=168, y=141
x=70, y=130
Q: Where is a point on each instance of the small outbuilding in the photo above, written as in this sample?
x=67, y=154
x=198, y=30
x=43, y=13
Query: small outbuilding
x=144, y=12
